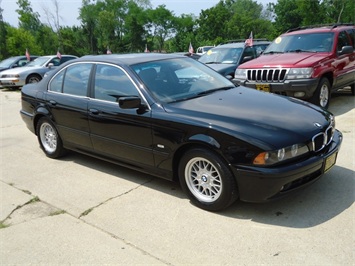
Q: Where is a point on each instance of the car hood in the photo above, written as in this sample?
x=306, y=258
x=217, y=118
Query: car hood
x=266, y=120
x=286, y=60
x=19, y=70
x=224, y=69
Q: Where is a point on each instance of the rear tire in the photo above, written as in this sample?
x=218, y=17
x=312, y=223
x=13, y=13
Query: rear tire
x=49, y=139
x=321, y=96
x=206, y=180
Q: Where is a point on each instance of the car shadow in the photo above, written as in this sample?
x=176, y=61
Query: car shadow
x=325, y=199
x=342, y=102
x=331, y=195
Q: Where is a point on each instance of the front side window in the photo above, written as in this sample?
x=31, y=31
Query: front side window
x=342, y=40
x=111, y=83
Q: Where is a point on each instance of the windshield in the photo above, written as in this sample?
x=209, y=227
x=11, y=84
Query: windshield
x=222, y=56
x=7, y=62
x=40, y=61
x=180, y=79
x=312, y=42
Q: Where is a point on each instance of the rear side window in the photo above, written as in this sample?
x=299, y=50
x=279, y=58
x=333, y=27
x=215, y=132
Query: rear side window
x=72, y=80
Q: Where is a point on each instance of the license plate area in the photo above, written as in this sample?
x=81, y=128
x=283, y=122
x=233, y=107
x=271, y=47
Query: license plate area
x=330, y=161
x=263, y=87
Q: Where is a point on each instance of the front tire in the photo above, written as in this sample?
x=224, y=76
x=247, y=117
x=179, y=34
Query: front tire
x=321, y=96
x=33, y=79
x=206, y=180
x=49, y=139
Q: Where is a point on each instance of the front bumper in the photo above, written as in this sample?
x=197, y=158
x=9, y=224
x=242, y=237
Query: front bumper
x=287, y=88
x=12, y=82
x=258, y=184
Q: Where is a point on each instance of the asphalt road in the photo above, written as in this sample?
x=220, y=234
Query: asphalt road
x=80, y=210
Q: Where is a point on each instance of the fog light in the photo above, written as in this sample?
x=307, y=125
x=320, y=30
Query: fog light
x=299, y=94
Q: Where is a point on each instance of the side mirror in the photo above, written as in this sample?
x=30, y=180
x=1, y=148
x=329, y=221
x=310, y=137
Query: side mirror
x=346, y=50
x=131, y=102
x=50, y=65
x=247, y=58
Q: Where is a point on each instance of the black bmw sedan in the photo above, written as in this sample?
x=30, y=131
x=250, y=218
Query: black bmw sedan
x=173, y=117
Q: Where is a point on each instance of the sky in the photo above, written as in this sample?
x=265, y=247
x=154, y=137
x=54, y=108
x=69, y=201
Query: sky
x=69, y=9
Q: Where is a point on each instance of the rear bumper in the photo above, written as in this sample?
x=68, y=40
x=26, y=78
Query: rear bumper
x=287, y=88
x=258, y=184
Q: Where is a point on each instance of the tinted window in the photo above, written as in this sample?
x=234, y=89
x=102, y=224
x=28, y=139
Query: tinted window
x=352, y=36
x=342, y=40
x=111, y=83
x=76, y=79
x=57, y=82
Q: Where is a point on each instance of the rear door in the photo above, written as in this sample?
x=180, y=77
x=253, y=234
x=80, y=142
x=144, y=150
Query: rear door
x=67, y=100
x=122, y=134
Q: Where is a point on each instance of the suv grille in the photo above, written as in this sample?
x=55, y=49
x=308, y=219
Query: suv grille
x=267, y=75
x=322, y=139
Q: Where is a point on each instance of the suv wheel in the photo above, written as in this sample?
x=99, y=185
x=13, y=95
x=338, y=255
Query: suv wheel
x=321, y=96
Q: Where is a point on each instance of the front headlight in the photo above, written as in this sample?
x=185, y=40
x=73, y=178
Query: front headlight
x=300, y=73
x=280, y=155
x=240, y=74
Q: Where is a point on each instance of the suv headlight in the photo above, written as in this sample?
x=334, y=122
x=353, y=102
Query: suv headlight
x=240, y=74
x=300, y=73
x=280, y=155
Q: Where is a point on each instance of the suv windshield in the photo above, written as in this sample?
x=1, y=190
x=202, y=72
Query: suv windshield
x=310, y=42
x=222, y=56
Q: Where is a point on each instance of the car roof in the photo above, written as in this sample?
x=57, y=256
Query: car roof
x=129, y=59
x=236, y=44
x=320, y=28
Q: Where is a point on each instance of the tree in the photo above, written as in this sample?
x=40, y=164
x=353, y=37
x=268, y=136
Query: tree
x=28, y=20
x=337, y=11
x=161, y=25
x=3, y=35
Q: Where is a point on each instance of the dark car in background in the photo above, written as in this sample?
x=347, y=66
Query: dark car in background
x=225, y=58
x=307, y=63
x=15, y=61
x=173, y=117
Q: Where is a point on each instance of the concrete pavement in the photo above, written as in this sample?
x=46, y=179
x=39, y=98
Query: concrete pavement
x=79, y=210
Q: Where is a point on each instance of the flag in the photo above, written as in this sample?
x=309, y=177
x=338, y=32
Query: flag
x=108, y=50
x=59, y=55
x=146, y=49
x=249, y=41
x=191, y=49
x=28, y=55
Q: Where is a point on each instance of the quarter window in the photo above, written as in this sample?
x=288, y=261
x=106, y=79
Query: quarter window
x=111, y=83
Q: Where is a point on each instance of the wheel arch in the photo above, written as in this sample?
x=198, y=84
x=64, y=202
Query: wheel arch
x=196, y=141
x=33, y=74
x=41, y=112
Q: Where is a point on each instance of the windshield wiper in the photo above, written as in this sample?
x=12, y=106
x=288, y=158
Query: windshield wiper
x=274, y=52
x=211, y=62
x=214, y=90
x=300, y=51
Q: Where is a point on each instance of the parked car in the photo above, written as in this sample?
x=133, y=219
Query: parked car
x=15, y=61
x=306, y=63
x=171, y=116
x=225, y=58
x=203, y=49
x=33, y=72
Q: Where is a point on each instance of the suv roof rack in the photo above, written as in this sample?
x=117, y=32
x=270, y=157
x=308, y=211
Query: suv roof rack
x=331, y=26
x=243, y=40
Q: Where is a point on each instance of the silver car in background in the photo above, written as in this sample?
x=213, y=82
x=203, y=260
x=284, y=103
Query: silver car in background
x=33, y=72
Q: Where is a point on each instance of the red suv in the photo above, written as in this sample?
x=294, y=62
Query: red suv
x=307, y=63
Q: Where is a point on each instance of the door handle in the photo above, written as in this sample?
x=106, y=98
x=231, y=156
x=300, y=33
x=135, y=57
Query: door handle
x=94, y=111
x=52, y=102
